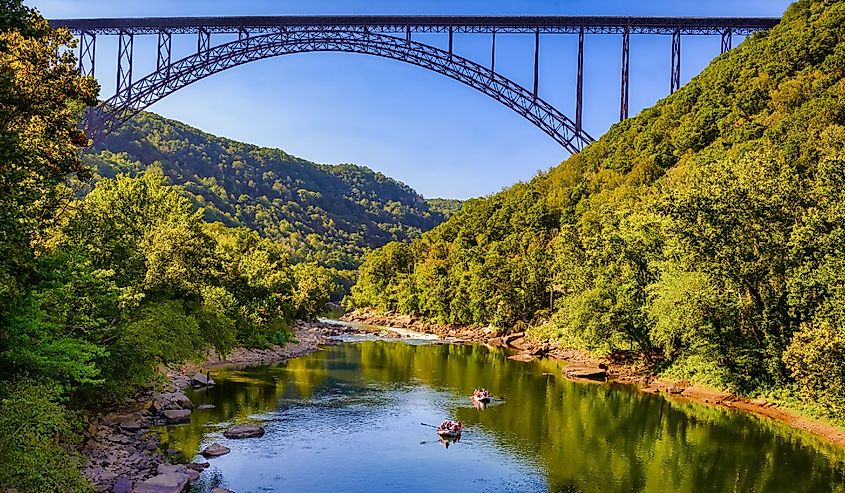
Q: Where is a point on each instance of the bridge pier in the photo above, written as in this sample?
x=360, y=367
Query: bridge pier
x=675, y=72
x=727, y=42
x=623, y=99
x=579, y=85
x=203, y=40
x=125, y=43
x=536, y=62
x=164, y=51
x=451, y=36
x=87, y=53
x=493, y=55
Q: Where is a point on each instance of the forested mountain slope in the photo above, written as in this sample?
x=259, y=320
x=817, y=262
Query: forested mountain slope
x=328, y=213
x=708, y=232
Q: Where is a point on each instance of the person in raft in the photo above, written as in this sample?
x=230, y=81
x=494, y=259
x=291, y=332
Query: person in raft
x=449, y=425
x=481, y=393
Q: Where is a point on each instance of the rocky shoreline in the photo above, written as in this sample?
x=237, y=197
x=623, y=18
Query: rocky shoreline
x=123, y=453
x=586, y=367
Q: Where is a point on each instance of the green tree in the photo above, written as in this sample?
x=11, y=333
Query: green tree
x=41, y=99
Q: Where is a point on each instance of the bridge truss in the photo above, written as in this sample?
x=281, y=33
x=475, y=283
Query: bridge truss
x=384, y=36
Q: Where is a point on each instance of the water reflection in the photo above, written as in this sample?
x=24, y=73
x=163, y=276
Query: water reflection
x=348, y=419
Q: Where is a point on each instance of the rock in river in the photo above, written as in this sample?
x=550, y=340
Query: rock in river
x=201, y=380
x=215, y=450
x=177, y=415
x=172, y=482
x=586, y=373
x=244, y=431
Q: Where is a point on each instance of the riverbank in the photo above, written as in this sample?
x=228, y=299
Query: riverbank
x=584, y=364
x=122, y=447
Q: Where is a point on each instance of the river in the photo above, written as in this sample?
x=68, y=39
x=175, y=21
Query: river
x=348, y=419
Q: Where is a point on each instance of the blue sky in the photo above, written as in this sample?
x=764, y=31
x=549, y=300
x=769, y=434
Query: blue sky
x=440, y=137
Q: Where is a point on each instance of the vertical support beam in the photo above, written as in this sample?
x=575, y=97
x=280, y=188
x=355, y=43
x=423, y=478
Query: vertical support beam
x=408, y=35
x=493, y=55
x=579, y=85
x=242, y=34
x=675, y=72
x=164, y=51
x=87, y=52
x=124, y=62
x=727, y=42
x=203, y=40
x=623, y=101
x=536, y=61
x=451, y=30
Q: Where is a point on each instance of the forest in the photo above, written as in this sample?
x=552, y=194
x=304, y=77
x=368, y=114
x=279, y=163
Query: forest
x=98, y=290
x=330, y=214
x=706, y=235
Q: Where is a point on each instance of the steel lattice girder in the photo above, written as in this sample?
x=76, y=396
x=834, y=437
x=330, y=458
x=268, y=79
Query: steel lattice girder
x=144, y=92
x=427, y=24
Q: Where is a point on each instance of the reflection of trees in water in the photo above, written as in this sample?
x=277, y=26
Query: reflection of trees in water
x=587, y=437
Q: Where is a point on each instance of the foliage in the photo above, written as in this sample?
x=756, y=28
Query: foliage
x=445, y=207
x=37, y=434
x=314, y=288
x=706, y=232
x=330, y=214
x=96, y=291
x=41, y=99
x=816, y=356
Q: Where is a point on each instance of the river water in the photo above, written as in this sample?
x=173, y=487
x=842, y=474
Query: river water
x=348, y=419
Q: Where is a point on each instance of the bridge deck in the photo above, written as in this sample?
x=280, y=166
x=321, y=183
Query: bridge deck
x=426, y=23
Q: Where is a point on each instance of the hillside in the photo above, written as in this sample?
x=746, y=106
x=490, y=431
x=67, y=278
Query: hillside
x=328, y=213
x=707, y=233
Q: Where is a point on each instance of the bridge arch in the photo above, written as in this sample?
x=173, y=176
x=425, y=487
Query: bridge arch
x=109, y=115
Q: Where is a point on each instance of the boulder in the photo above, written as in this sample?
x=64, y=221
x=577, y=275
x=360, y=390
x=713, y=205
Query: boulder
x=215, y=450
x=675, y=389
x=510, y=338
x=202, y=380
x=122, y=485
x=524, y=357
x=131, y=422
x=199, y=466
x=244, y=431
x=496, y=342
x=221, y=490
x=172, y=482
x=174, y=416
x=586, y=373
x=192, y=474
x=519, y=343
x=182, y=400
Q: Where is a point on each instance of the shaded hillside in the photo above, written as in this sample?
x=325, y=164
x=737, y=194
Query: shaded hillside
x=328, y=213
x=708, y=232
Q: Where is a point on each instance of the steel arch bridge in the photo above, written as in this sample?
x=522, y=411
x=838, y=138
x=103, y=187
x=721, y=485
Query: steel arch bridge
x=266, y=37
x=181, y=73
